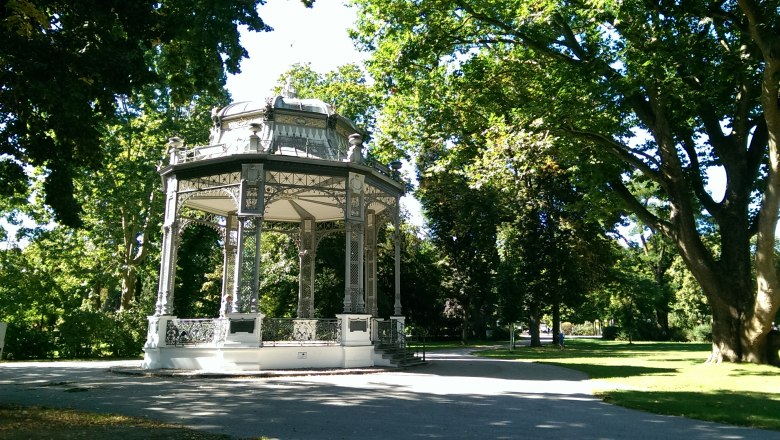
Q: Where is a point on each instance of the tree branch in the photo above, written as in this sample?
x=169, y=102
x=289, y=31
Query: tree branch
x=638, y=208
x=625, y=153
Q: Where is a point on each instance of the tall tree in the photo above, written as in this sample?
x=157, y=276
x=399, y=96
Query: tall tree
x=462, y=221
x=120, y=201
x=699, y=78
x=345, y=88
x=552, y=247
x=65, y=63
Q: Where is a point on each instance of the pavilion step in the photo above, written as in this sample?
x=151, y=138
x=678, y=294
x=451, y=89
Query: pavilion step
x=396, y=356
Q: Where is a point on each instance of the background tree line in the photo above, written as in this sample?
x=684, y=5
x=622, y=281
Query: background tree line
x=540, y=132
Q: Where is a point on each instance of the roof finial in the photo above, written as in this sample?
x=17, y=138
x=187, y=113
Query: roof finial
x=289, y=89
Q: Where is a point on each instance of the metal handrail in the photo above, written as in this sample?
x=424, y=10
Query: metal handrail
x=390, y=332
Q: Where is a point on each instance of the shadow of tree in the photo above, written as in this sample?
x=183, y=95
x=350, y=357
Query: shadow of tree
x=718, y=406
x=614, y=371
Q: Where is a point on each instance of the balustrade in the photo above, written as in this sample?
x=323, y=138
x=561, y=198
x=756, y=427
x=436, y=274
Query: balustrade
x=195, y=331
x=290, y=331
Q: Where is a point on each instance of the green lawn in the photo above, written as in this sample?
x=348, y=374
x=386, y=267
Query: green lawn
x=668, y=378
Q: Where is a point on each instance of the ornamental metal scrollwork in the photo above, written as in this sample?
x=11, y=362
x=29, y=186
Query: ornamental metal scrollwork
x=227, y=192
x=210, y=182
x=194, y=331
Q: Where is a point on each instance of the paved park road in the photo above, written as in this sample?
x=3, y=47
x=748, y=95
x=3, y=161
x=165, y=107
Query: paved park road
x=455, y=396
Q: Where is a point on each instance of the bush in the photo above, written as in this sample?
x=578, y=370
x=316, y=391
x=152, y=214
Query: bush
x=585, y=329
x=128, y=334
x=27, y=342
x=610, y=333
x=624, y=334
x=700, y=333
x=82, y=333
x=648, y=330
x=677, y=334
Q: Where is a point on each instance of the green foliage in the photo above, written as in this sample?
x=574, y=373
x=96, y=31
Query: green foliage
x=25, y=341
x=279, y=282
x=61, y=90
x=700, y=333
x=585, y=329
x=199, y=253
x=79, y=332
x=643, y=100
x=345, y=88
x=462, y=222
x=610, y=333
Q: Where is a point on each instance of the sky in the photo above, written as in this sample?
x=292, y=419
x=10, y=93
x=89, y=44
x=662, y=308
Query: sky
x=317, y=36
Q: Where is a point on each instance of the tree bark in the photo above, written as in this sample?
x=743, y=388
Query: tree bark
x=129, y=278
x=763, y=30
x=533, y=327
x=556, y=317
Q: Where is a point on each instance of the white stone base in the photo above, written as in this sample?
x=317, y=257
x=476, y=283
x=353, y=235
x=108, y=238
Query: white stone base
x=239, y=358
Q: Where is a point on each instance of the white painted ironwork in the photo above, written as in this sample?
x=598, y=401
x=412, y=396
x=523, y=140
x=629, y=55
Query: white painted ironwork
x=390, y=332
x=289, y=165
x=195, y=331
x=290, y=331
x=370, y=264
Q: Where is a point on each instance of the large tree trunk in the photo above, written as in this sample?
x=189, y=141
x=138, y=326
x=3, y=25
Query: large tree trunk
x=556, y=317
x=725, y=332
x=763, y=23
x=129, y=278
x=533, y=327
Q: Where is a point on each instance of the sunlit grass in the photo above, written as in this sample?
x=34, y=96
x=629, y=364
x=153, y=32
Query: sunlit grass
x=668, y=378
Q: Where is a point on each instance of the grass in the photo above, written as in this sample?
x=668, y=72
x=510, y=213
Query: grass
x=17, y=423
x=668, y=378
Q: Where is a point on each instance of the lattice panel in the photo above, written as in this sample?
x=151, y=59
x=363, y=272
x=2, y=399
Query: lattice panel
x=301, y=180
x=355, y=289
x=370, y=257
x=246, y=300
x=208, y=182
x=305, y=304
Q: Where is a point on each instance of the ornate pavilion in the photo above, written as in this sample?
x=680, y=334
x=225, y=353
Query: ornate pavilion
x=286, y=165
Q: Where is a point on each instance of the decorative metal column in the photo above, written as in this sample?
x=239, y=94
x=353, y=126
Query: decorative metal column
x=306, y=258
x=354, y=223
x=229, y=265
x=169, y=249
x=370, y=241
x=250, y=224
x=397, y=241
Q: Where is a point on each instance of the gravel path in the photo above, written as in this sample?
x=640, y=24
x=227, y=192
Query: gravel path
x=454, y=396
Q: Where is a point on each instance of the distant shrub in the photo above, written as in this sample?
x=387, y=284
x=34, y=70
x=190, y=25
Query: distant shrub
x=127, y=334
x=649, y=330
x=610, y=333
x=624, y=334
x=677, y=334
x=585, y=329
x=700, y=333
x=81, y=333
x=27, y=342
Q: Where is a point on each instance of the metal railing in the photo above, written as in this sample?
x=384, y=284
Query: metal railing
x=290, y=331
x=390, y=332
x=195, y=331
x=304, y=148
x=200, y=152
